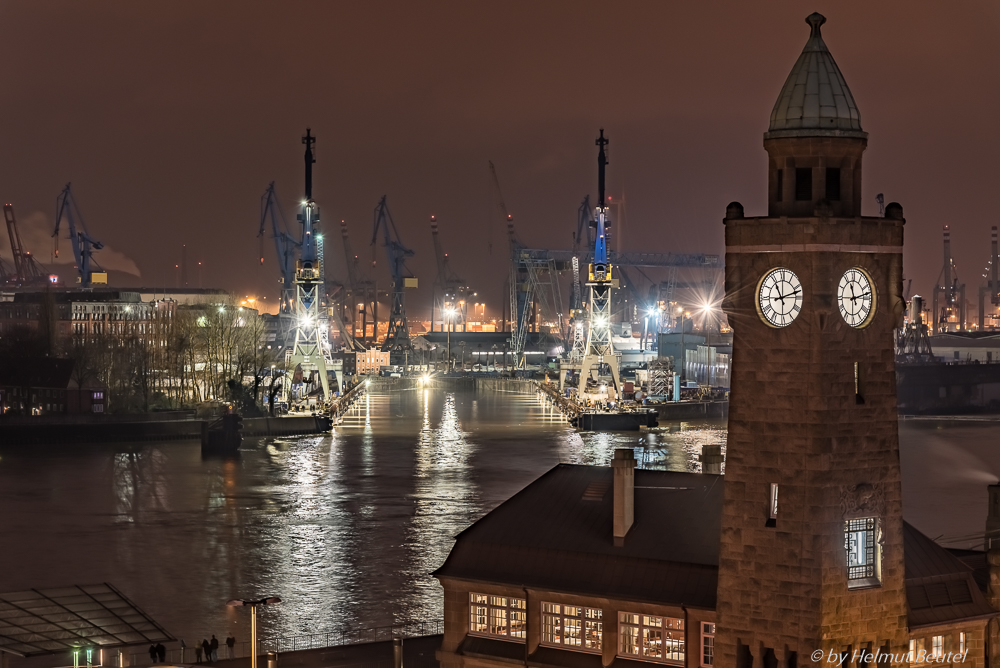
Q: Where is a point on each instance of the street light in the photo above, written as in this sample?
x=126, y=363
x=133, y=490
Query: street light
x=272, y=600
x=451, y=316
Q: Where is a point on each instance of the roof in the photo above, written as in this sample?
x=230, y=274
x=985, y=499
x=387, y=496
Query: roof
x=37, y=622
x=555, y=534
x=815, y=99
x=569, y=546
x=940, y=588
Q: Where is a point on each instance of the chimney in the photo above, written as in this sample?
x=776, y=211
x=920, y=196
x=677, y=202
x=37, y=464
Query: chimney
x=624, y=470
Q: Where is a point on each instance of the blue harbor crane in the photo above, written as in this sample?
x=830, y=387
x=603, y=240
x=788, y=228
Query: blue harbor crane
x=311, y=350
x=600, y=358
x=397, y=337
x=285, y=245
x=84, y=245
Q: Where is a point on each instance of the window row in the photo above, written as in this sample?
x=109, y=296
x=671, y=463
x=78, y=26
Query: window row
x=640, y=636
x=936, y=648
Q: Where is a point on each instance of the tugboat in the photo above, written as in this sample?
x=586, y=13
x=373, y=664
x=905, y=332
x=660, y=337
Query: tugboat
x=223, y=436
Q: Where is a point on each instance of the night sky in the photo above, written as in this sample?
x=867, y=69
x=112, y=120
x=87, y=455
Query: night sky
x=171, y=118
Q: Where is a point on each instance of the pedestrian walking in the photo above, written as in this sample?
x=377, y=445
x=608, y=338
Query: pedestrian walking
x=152, y=653
x=230, y=644
x=197, y=653
x=207, y=649
x=161, y=652
x=215, y=648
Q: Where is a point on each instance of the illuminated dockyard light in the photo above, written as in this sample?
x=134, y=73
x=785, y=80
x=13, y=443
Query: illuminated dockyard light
x=272, y=600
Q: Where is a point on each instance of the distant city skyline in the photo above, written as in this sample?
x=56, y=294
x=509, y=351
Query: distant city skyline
x=171, y=120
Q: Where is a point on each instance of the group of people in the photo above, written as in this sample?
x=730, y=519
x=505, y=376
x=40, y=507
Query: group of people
x=208, y=650
x=158, y=653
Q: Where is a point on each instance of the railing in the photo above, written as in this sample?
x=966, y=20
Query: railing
x=281, y=644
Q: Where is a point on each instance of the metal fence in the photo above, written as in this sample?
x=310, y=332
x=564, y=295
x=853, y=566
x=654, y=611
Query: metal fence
x=283, y=644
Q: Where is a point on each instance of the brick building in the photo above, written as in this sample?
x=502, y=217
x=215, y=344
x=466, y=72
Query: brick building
x=801, y=547
x=371, y=361
x=83, y=314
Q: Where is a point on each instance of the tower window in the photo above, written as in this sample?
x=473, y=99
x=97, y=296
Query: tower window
x=772, y=510
x=803, y=184
x=863, y=553
x=779, y=189
x=833, y=184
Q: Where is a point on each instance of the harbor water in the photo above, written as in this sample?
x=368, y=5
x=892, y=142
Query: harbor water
x=346, y=528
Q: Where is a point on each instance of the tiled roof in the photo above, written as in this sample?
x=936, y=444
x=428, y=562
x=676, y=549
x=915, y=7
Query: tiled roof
x=815, y=98
x=939, y=587
x=555, y=534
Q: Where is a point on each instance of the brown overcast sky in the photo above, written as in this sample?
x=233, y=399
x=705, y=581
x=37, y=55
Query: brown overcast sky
x=171, y=118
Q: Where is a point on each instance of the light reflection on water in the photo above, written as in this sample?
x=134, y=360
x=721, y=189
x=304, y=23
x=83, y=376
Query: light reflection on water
x=346, y=528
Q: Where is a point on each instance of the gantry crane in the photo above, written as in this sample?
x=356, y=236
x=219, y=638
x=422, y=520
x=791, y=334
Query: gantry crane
x=84, y=245
x=26, y=270
x=577, y=309
x=310, y=352
x=361, y=296
x=397, y=337
x=450, y=291
x=285, y=245
x=600, y=356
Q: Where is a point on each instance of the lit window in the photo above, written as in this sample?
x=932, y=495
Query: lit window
x=863, y=553
x=707, y=643
x=651, y=638
x=572, y=626
x=917, y=654
x=774, y=501
x=500, y=616
x=937, y=647
x=961, y=643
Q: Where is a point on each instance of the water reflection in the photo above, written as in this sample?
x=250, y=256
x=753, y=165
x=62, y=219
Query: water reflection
x=346, y=528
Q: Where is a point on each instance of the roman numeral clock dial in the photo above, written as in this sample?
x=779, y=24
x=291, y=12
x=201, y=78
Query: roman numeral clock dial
x=779, y=297
x=856, y=297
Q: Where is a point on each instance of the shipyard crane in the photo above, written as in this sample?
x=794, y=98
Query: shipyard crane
x=448, y=287
x=26, y=270
x=519, y=281
x=397, y=337
x=600, y=354
x=948, y=296
x=361, y=297
x=84, y=245
x=310, y=352
x=286, y=247
x=577, y=311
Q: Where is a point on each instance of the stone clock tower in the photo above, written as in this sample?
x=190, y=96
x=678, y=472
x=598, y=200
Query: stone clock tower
x=812, y=541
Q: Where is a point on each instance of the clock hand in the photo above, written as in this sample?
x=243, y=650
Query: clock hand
x=790, y=294
x=861, y=296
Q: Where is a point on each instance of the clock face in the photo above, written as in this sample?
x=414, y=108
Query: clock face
x=779, y=297
x=856, y=297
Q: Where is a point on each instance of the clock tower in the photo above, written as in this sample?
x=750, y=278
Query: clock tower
x=811, y=554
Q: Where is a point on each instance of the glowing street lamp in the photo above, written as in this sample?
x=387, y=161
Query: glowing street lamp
x=451, y=317
x=272, y=600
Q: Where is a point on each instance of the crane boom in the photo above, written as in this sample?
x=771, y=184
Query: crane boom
x=397, y=338
x=285, y=245
x=15, y=241
x=83, y=244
